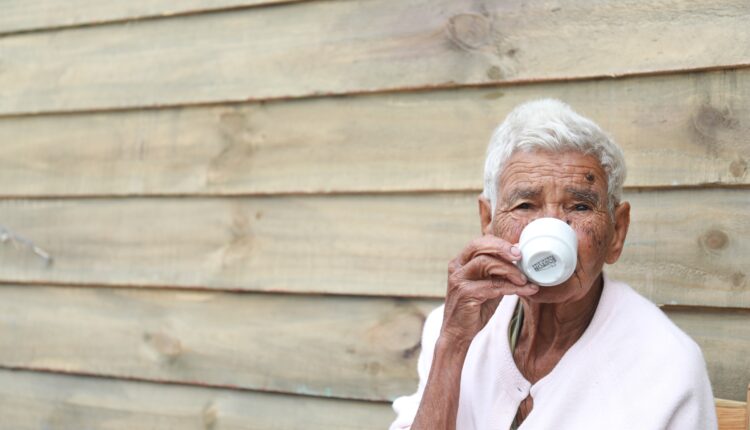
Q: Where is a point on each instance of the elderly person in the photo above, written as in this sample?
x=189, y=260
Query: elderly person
x=590, y=353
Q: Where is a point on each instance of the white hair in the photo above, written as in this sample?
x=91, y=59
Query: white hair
x=551, y=125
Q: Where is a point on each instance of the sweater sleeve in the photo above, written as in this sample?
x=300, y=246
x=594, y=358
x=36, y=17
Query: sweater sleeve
x=406, y=407
x=696, y=409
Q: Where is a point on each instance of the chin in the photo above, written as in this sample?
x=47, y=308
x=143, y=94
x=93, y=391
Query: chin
x=554, y=294
x=569, y=291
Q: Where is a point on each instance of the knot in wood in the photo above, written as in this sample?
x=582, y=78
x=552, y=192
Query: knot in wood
x=210, y=416
x=708, y=118
x=469, y=31
x=167, y=346
x=715, y=240
x=738, y=280
x=738, y=168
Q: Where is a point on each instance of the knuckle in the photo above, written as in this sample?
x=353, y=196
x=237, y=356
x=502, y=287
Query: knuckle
x=453, y=280
x=453, y=266
x=484, y=259
x=497, y=283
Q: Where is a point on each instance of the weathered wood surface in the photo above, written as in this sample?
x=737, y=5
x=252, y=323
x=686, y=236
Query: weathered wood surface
x=732, y=414
x=33, y=401
x=675, y=130
x=341, y=47
x=346, y=347
x=31, y=15
x=689, y=247
x=38, y=401
x=685, y=247
x=724, y=337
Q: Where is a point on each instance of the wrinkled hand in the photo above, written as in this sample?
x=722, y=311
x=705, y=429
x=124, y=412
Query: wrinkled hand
x=477, y=280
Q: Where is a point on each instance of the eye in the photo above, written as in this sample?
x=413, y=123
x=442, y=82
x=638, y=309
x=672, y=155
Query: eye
x=581, y=207
x=523, y=206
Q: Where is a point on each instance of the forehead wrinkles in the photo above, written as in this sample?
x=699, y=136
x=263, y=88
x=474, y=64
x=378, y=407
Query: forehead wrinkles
x=530, y=166
x=558, y=170
x=534, y=172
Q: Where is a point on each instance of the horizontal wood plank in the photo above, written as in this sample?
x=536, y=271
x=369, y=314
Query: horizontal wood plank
x=732, y=415
x=684, y=247
x=724, y=337
x=688, y=247
x=344, y=347
x=675, y=130
x=343, y=47
x=33, y=15
x=34, y=401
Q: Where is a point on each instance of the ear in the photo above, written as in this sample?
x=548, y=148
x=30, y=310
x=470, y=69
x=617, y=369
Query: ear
x=485, y=214
x=622, y=222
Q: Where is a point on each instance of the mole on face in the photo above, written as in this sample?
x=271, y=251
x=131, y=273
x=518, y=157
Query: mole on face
x=590, y=178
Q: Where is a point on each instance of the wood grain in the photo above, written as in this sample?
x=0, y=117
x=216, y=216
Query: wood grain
x=345, y=347
x=35, y=15
x=724, y=337
x=678, y=130
x=731, y=414
x=685, y=247
x=363, y=46
x=34, y=401
x=688, y=247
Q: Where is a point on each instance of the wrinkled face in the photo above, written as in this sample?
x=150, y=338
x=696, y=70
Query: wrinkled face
x=568, y=186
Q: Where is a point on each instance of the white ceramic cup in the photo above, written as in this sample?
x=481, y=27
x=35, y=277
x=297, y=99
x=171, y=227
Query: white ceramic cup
x=548, y=251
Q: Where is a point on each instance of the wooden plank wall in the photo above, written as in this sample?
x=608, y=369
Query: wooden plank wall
x=248, y=206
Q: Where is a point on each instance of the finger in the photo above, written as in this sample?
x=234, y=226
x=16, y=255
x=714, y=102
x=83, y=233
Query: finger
x=510, y=272
x=500, y=249
x=490, y=245
x=492, y=288
x=528, y=290
x=484, y=267
x=453, y=266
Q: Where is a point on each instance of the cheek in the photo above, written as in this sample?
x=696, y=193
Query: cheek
x=508, y=228
x=592, y=236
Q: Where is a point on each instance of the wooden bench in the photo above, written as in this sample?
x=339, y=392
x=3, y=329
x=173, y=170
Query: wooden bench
x=733, y=415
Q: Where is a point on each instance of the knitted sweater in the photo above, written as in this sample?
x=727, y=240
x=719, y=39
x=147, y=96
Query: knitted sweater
x=632, y=369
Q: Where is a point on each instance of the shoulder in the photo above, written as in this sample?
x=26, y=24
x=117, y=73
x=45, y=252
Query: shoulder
x=640, y=326
x=639, y=351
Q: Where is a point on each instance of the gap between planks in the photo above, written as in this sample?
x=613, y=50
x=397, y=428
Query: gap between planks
x=322, y=294
x=150, y=17
x=176, y=383
x=332, y=193
x=379, y=91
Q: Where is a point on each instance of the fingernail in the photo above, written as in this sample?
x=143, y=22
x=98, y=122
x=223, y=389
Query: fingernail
x=515, y=251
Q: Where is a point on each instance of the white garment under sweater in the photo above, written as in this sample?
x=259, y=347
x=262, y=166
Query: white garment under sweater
x=632, y=369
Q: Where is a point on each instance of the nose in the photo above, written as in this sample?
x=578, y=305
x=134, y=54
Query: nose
x=554, y=211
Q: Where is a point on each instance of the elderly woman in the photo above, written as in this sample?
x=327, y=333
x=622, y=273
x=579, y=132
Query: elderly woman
x=590, y=353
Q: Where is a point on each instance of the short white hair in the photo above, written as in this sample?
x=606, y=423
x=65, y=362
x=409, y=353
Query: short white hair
x=551, y=125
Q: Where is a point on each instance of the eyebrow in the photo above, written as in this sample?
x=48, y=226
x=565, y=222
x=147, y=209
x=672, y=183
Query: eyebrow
x=587, y=196
x=522, y=193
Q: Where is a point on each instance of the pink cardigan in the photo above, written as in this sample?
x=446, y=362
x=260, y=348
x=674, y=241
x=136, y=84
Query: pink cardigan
x=632, y=369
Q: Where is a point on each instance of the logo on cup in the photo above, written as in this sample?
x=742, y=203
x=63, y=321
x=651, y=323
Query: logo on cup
x=545, y=263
